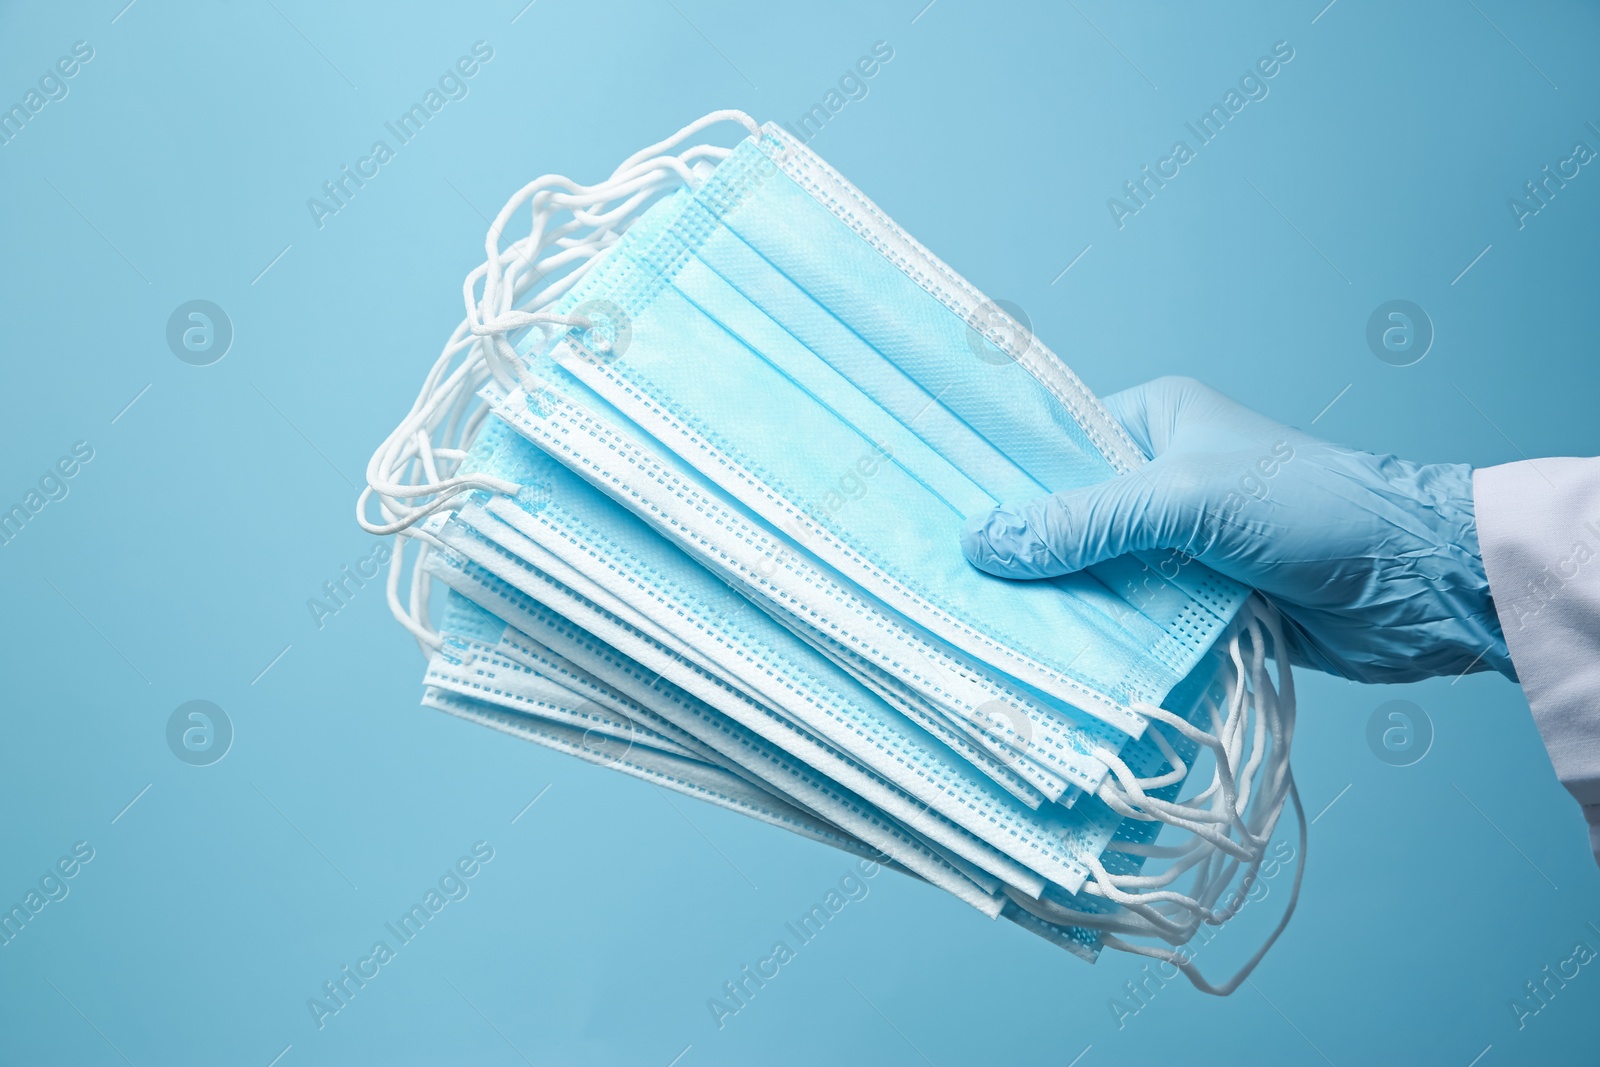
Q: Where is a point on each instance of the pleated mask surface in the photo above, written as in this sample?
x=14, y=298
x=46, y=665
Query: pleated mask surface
x=773, y=344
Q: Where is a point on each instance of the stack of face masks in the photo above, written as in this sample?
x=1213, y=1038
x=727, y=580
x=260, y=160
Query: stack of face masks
x=692, y=473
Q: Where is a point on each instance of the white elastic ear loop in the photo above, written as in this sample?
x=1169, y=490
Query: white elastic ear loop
x=643, y=172
x=1127, y=796
x=1190, y=971
x=432, y=440
x=413, y=615
x=444, y=397
x=502, y=359
x=1253, y=707
x=1273, y=717
x=491, y=315
x=1278, y=709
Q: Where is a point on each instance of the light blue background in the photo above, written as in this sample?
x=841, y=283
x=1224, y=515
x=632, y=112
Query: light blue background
x=180, y=564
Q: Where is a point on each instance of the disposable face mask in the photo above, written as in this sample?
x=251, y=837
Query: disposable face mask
x=776, y=291
x=805, y=403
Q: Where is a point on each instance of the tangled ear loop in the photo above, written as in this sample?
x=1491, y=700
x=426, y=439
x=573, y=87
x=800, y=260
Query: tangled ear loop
x=415, y=473
x=1231, y=821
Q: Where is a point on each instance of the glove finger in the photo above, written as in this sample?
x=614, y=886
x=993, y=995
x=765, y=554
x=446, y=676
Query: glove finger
x=1131, y=408
x=1068, y=531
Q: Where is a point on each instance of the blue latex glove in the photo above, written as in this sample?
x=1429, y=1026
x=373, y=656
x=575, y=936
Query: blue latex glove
x=1373, y=560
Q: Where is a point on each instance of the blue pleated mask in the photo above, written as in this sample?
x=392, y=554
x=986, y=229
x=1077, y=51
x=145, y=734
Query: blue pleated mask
x=792, y=348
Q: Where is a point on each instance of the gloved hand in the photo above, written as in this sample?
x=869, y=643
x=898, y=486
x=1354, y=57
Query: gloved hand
x=1372, y=560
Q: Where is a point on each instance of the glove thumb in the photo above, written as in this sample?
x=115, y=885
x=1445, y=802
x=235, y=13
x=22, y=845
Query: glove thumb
x=1070, y=530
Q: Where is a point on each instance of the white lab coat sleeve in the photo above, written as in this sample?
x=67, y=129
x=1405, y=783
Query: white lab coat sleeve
x=1539, y=531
